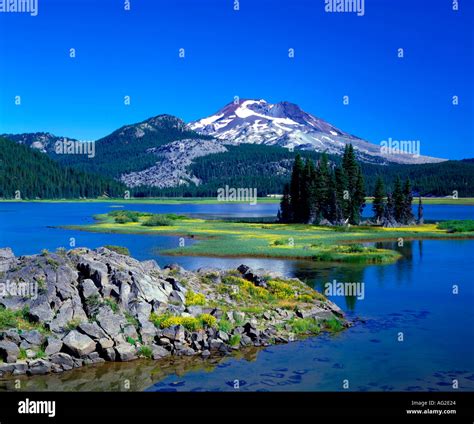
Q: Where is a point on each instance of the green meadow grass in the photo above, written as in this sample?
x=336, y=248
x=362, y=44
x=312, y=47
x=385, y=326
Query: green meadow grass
x=291, y=241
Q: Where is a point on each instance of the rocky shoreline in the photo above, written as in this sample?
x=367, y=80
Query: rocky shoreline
x=68, y=309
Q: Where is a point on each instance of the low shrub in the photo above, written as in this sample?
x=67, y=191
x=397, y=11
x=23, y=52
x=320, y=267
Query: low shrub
x=157, y=221
x=145, y=351
x=118, y=249
x=195, y=298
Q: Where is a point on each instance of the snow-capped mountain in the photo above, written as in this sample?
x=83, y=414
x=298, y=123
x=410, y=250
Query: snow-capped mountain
x=287, y=125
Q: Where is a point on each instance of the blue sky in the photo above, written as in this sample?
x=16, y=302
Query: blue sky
x=243, y=53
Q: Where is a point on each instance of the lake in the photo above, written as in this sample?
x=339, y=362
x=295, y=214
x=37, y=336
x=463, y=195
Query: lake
x=413, y=333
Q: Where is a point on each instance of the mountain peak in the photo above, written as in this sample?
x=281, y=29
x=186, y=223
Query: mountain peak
x=285, y=124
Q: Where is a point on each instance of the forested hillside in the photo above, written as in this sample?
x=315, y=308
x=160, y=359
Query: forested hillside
x=268, y=168
x=34, y=175
x=125, y=150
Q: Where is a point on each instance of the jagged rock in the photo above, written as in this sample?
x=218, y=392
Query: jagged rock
x=109, y=354
x=64, y=360
x=79, y=344
x=149, y=289
x=223, y=336
x=106, y=343
x=84, y=280
x=20, y=368
x=159, y=352
x=33, y=337
x=251, y=276
x=109, y=321
x=147, y=332
x=176, y=333
x=64, y=276
x=125, y=352
x=245, y=340
x=11, y=334
x=92, y=330
x=130, y=331
x=63, y=317
x=176, y=297
x=175, y=309
x=150, y=265
x=24, y=345
x=314, y=312
x=185, y=351
x=53, y=345
x=96, y=271
x=9, y=351
x=30, y=354
x=7, y=259
x=6, y=369
x=142, y=311
x=194, y=310
x=251, y=331
x=41, y=312
x=215, y=344
x=39, y=366
x=89, y=289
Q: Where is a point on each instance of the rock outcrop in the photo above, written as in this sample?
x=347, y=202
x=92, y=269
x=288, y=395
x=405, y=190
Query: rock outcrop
x=65, y=310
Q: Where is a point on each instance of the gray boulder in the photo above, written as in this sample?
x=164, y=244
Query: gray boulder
x=7, y=259
x=38, y=367
x=126, y=352
x=33, y=337
x=63, y=317
x=53, y=345
x=64, y=360
x=9, y=351
x=92, y=330
x=109, y=321
x=159, y=352
x=79, y=344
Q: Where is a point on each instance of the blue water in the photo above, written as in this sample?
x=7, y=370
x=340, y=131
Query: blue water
x=413, y=296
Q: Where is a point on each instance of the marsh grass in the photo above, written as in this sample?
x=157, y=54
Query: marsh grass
x=241, y=239
x=457, y=226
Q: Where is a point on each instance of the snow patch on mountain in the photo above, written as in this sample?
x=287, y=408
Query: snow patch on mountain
x=285, y=124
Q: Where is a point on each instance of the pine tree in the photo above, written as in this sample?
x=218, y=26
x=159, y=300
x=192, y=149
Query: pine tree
x=407, y=203
x=355, y=185
x=285, y=206
x=308, y=194
x=388, y=213
x=398, y=201
x=333, y=210
x=420, y=211
x=358, y=198
x=296, y=183
x=321, y=187
x=378, y=205
x=341, y=190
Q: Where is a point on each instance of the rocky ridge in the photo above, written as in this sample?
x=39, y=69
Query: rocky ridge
x=64, y=310
x=172, y=165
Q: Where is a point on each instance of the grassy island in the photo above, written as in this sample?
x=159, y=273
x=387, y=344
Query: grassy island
x=273, y=240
